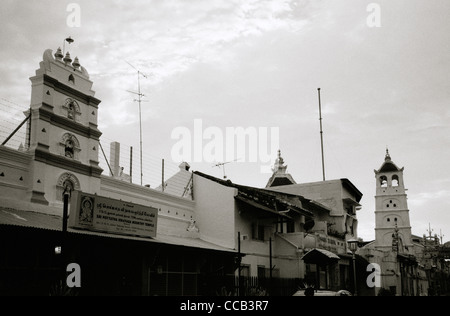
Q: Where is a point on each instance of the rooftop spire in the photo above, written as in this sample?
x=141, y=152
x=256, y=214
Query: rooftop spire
x=280, y=176
x=279, y=166
x=388, y=156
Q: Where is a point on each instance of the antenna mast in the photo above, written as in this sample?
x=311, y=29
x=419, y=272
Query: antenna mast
x=139, y=100
x=321, y=135
x=222, y=164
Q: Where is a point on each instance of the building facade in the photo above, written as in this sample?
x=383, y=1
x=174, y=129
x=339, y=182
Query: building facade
x=394, y=249
x=61, y=155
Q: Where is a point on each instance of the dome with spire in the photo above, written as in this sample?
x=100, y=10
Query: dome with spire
x=388, y=165
x=280, y=176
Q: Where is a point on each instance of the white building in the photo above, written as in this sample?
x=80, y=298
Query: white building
x=394, y=249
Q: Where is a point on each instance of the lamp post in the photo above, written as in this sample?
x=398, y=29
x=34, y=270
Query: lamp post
x=353, y=246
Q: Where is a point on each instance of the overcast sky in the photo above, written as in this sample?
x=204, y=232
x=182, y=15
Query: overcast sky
x=258, y=63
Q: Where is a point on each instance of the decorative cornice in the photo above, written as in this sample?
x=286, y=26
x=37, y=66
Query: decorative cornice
x=11, y=155
x=67, y=164
x=67, y=124
x=73, y=93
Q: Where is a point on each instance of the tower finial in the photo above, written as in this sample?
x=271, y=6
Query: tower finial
x=59, y=55
x=279, y=166
x=67, y=59
x=280, y=159
x=388, y=156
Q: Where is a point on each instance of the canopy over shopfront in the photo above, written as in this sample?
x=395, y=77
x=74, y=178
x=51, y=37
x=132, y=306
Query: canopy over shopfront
x=320, y=257
x=110, y=264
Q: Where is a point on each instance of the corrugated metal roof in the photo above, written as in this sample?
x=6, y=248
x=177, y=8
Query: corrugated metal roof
x=12, y=217
x=319, y=255
x=30, y=219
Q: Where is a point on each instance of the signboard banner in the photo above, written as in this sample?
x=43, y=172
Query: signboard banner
x=97, y=213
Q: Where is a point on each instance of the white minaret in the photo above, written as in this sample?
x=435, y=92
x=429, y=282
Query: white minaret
x=392, y=225
x=63, y=135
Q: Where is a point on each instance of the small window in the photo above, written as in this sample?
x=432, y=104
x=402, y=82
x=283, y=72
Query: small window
x=395, y=181
x=383, y=181
x=72, y=108
x=72, y=79
x=71, y=111
x=388, y=219
x=68, y=181
x=70, y=146
x=257, y=231
x=69, y=149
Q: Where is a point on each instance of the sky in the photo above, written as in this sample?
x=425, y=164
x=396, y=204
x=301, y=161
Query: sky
x=382, y=67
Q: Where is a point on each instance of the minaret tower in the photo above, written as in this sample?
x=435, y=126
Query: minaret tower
x=63, y=135
x=392, y=215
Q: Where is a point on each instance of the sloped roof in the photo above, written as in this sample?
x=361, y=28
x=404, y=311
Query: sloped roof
x=179, y=184
x=317, y=255
x=388, y=165
x=270, y=199
x=279, y=180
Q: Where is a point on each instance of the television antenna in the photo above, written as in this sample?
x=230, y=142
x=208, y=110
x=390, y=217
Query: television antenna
x=222, y=164
x=430, y=230
x=139, y=100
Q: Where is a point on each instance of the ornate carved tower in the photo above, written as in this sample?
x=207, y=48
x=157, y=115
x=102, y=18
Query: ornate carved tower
x=63, y=135
x=392, y=227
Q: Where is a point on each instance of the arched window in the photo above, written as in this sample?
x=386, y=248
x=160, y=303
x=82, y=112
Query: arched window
x=72, y=108
x=72, y=79
x=383, y=181
x=69, y=150
x=395, y=180
x=70, y=146
x=66, y=180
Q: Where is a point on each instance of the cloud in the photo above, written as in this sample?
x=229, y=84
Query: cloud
x=429, y=197
x=259, y=63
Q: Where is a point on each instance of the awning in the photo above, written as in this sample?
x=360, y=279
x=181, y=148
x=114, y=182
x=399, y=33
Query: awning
x=260, y=206
x=320, y=256
x=40, y=221
x=407, y=259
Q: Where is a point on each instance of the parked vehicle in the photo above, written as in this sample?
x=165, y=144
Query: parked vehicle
x=313, y=292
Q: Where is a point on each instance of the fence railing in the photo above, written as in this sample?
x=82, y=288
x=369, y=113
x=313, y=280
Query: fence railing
x=255, y=286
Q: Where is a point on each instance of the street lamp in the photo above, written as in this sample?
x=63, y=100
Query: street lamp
x=353, y=246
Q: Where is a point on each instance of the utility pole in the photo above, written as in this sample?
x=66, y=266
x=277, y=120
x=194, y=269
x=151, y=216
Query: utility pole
x=163, y=184
x=321, y=135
